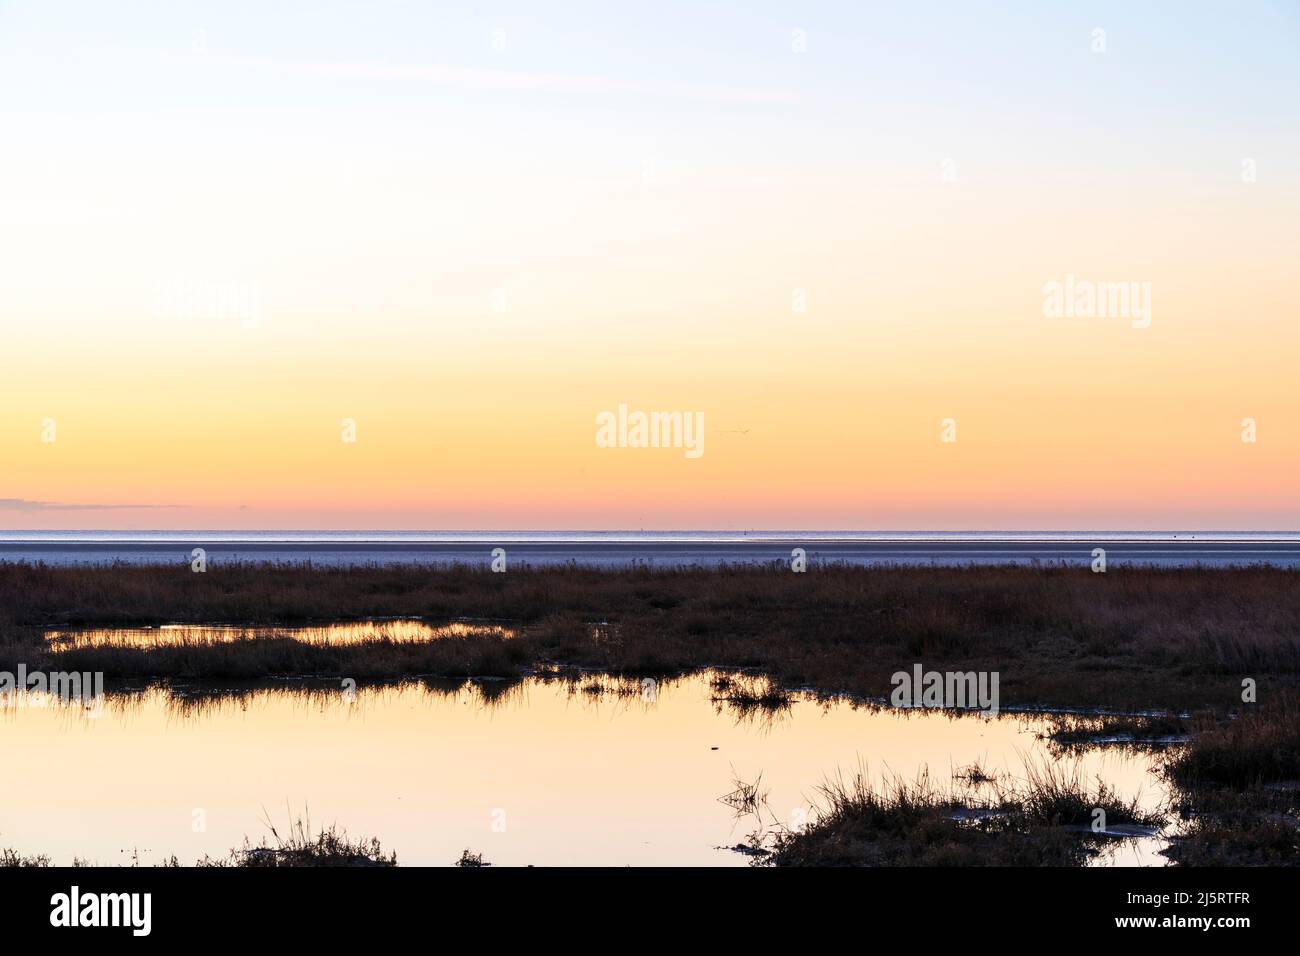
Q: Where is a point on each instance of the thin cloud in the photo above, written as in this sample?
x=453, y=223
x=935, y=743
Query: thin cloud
x=24, y=504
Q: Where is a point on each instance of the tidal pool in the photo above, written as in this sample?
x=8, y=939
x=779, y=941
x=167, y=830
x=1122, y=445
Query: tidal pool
x=397, y=631
x=544, y=771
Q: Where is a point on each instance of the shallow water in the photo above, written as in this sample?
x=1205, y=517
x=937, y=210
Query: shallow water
x=595, y=771
x=398, y=631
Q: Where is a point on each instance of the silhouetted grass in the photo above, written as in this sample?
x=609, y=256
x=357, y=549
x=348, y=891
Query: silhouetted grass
x=299, y=847
x=1043, y=821
x=259, y=657
x=12, y=858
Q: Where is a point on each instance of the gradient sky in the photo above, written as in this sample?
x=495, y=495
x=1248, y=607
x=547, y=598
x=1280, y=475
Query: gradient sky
x=226, y=227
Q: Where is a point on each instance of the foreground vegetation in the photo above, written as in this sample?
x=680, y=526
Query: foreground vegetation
x=298, y=847
x=1049, y=819
x=1235, y=784
x=1238, y=786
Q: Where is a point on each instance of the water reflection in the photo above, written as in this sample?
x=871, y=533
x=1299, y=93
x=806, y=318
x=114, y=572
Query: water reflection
x=403, y=631
x=561, y=768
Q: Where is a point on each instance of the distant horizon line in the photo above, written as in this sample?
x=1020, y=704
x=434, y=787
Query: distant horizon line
x=604, y=533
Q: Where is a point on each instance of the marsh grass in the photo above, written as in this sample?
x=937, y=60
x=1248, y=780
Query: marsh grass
x=1238, y=785
x=1259, y=744
x=1174, y=638
x=10, y=858
x=1040, y=820
x=468, y=859
x=255, y=657
x=1057, y=794
x=1245, y=837
x=297, y=847
x=300, y=847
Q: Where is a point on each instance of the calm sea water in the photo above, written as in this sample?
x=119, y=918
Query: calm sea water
x=654, y=548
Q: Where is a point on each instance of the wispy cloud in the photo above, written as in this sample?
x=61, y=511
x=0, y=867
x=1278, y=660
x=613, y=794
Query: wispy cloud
x=24, y=504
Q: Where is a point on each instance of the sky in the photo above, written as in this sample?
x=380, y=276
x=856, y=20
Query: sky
x=383, y=265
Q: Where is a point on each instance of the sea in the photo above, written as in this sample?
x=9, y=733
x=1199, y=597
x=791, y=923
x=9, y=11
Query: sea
x=656, y=548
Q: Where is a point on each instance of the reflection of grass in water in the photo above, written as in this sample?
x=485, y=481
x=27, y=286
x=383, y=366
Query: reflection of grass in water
x=1129, y=732
x=263, y=655
x=756, y=700
x=758, y=703
x=750, y=799
x=205, y=697
x=975, y=775
x=1043, y=819
x=202, y=636
x=596, y=686
x=747, y=797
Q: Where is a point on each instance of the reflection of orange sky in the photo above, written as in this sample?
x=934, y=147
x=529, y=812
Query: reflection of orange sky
x=922, y=307
x=581, y=779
